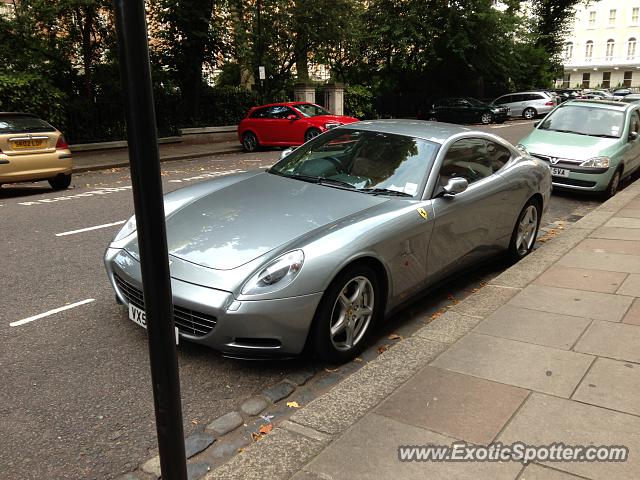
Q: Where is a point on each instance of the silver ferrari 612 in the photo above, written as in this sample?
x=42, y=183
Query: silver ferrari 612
x=337, y=234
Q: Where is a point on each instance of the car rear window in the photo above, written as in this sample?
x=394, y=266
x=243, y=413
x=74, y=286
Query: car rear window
x=23, y=124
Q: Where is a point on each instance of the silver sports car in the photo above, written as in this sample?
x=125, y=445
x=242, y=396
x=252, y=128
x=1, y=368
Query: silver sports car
x=340, y=232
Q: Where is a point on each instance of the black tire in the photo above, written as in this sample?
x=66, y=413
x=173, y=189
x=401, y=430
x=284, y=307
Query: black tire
x=61, y=182
x=517, y=250
x=614, y=184
x=250, y=142
x=311, y=133
x=529, y=113
x=486, y=118
x=330, y=347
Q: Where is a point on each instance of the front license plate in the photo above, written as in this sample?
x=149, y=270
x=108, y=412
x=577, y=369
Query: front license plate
x=559, y=172
x=27, y=144
x=138, y=316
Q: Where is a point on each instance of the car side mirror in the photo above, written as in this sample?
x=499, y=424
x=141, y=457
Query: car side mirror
x=633, y=136
x=292, y=117
x=455, y=186
x=286, y=152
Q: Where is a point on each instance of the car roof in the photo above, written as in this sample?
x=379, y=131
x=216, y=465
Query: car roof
x=602, y=104
x=437, y=132
x=284, y=104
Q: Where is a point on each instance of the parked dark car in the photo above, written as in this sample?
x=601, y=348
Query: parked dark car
x=567, y=94
x=621, y=92
x=466, y=110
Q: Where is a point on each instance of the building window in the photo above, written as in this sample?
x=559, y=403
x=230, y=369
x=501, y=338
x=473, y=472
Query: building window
x=612, y=18
x=568, y=50
x=585, y=80
x=606, y=79
x=588, y=52
x=634, y=15
x=610, y=47
x=631, y=48
x=628, y=76
x=592, y=18
x=566, y=81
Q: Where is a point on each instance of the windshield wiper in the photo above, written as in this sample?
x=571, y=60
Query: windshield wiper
x=564, y=131
x=337, y=183
x=602, y=135
x=384, y=191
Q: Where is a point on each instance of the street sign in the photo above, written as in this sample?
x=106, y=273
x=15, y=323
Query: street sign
x=261, y=73
x=144, y=157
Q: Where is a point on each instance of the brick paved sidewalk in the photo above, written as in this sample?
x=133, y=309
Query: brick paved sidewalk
x=548, y=352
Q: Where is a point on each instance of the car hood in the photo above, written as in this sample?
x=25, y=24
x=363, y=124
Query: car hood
x=567, y=145
x=234, y=225
x=322, y=119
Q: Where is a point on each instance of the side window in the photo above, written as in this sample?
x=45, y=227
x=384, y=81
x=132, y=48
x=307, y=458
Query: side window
x=467, y=158
x=518, y=98
x=498, y=155
x=280, y=112
x=505, y=99
x=260, y=113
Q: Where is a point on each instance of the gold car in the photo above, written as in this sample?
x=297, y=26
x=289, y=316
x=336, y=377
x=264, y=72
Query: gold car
x=32, y=150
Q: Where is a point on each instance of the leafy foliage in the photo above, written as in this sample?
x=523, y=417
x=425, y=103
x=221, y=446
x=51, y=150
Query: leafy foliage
x=32, y=94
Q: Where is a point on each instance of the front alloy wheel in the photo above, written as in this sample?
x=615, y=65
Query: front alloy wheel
x=346, y=314
x=614, y=184
x=529, y=113
x=486, y=118
x=525, y=232
x=311, y=133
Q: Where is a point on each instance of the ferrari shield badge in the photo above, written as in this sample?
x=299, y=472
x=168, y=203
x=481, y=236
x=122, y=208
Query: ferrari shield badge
x=423, y=213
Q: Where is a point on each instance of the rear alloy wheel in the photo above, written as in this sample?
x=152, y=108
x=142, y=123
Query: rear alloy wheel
x=486, y=118
x=249, y=142
x=529, y=113
x=525, y=232
x=346, y=314
x=311, y=133
x=61, y=182
x=614, y=184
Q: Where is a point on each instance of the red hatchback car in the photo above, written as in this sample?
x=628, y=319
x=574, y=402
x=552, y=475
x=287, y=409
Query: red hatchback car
x=286, y=124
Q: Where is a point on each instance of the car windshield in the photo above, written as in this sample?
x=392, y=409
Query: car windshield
x=585, y=120
x=365, y=161
x=23, y=124
x=311, y=110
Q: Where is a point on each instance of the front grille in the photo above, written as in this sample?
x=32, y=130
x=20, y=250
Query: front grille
x=188, y=321
x=571, y=165
x=573, y=182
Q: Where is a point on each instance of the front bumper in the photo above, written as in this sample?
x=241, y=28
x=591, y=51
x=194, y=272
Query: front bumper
x=580, y=178
x=243, y=329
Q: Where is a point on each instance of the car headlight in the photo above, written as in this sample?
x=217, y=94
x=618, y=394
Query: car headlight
x=128, y=228
x=278, y=274
x=596, y=162
x=522, y=149
x=329, y=126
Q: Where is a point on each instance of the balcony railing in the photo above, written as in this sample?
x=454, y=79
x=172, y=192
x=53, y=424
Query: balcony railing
x=605, y=61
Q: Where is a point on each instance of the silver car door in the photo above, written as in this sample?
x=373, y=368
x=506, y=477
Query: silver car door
x=465, y=224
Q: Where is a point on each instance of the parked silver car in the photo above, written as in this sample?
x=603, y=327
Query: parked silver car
x=336, y=235
x=527, y=104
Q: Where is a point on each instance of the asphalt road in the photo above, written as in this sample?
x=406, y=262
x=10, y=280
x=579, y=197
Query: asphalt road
x=76, y=400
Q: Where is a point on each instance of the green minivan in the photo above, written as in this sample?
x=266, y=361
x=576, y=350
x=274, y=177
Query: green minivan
x=590, y=145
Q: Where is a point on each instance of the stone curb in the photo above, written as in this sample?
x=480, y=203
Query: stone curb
x=296, y=441
x=173, y=158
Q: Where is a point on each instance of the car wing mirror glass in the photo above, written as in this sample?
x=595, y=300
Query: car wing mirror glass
x=633, y=136
x=455, y=186
x=292, y=117
x=286, y=152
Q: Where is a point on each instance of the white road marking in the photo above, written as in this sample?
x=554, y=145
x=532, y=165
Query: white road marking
x=91, y=193
x=202, y=176
x=50, y=312
x=97, y=227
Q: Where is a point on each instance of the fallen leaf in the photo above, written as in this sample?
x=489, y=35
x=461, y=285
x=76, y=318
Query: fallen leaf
x=293, y=405
x=240, y=450
x=450, y=296
x=195, y=422
x=394, y=336
x=264, y=429
x=358, y=359
x=255, y=436
x=383, y=348
x=330, y=370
